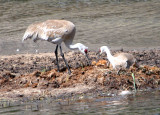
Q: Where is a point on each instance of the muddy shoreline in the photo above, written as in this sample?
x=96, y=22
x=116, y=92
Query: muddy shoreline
x=35, y=76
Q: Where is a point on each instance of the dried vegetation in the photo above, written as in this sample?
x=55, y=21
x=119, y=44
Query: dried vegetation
x=38, y=72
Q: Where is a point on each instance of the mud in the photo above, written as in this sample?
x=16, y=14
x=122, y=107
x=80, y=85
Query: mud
x=36, y=76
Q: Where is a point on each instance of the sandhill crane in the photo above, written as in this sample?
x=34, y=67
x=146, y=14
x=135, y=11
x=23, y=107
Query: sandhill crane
x=56, y=32
x=120, y=60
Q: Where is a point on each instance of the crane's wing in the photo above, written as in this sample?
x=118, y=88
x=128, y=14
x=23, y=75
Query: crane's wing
x=48, y=30
x=31, y=32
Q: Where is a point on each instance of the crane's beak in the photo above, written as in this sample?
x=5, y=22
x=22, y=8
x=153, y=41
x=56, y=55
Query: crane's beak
x=98, y=57
x=99, y=54
x=89, y=61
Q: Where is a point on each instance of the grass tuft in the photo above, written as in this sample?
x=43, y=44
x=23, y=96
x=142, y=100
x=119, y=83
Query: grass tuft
x=134, y=82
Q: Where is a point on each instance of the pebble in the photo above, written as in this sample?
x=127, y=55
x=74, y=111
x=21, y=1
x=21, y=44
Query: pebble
x=126, y=92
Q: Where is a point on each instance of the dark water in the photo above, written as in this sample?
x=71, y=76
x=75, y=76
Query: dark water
x=117, y=23
x=142, y=103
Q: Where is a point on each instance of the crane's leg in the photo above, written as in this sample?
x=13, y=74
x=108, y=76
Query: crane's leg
x=62, y=54
x=56, y=53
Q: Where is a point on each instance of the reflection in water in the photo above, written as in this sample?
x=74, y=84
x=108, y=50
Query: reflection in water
x=140, y=103
x=116, y=23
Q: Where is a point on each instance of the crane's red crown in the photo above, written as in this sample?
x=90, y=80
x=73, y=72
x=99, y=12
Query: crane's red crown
x=86, y=51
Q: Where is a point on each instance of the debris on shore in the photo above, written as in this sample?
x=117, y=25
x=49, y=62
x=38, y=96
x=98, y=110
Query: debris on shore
x=37, y=76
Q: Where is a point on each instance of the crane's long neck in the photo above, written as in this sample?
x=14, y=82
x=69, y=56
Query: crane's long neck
x=72, y=46
x=78, y=46
x=69, y=39
x=110, y=57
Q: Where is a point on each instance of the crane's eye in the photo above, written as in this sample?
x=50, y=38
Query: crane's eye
x=86, y=51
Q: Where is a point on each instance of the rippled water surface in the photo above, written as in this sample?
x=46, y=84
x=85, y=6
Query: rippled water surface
x=116, y=23
x=142, y=103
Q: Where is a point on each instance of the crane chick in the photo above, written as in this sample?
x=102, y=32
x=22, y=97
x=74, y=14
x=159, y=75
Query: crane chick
x=120, y=60
x=56, y=32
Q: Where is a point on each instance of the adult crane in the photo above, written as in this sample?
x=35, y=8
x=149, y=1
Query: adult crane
x=56, y=32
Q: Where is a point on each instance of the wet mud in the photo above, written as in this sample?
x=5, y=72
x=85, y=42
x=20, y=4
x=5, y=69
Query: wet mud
x=36, y=76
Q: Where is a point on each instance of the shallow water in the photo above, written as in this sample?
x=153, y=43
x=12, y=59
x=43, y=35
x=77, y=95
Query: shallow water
x=129, y=24
x=142, y=103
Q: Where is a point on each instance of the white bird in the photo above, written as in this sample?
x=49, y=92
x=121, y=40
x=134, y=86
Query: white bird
x=120, y=60
x=56, y=32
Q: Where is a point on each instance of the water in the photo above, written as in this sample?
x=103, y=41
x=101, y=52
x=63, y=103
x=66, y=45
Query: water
x=117, y=23
x=142, y=103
